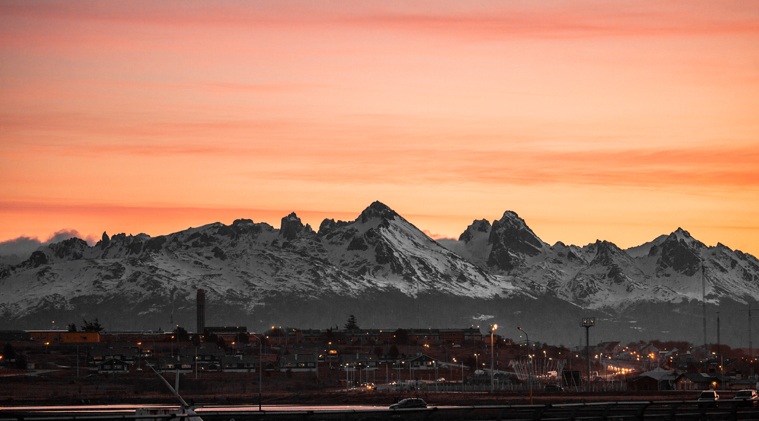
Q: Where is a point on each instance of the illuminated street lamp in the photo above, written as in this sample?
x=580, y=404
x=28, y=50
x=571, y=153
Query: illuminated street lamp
x=492, y=354
x=529, y=369
x=261, y=367
x=527, y=340
x=587, y=323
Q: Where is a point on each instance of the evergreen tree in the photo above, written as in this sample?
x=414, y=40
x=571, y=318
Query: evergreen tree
x=93, y=326
x=393, y=352
x=181, y=334
x=21, y=362
x=401, y=336
x=351, y=324
x=9, y=352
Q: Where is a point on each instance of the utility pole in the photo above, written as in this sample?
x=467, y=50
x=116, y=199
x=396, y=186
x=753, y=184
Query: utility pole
x=718, y=340
x=703, y=300
x=721, y=360
x=750, y=344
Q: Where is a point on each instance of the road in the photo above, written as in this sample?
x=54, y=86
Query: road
x=634, y=410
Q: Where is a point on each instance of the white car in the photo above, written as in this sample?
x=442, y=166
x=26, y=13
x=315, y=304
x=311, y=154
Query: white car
x=409, y=403
x=748, y=396
x=707, y=398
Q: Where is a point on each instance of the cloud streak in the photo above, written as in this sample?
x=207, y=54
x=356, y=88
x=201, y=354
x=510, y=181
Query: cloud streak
x=24, y=246
x=436, y=108
x=475, y=20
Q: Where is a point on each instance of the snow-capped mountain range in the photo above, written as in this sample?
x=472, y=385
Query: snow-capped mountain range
x=389, y=274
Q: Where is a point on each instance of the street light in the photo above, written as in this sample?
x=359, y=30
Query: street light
x=261, y=368
x=529, y=369
x=587, y=323
x=527, y=339
x=492, y=353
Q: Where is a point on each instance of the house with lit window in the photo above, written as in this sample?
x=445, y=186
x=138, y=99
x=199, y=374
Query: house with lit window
x=420, y=362
x=113, y=365
x=185, y=364
x=238, y=364
x=297, y=362
x=698, y=381
x=349, y=362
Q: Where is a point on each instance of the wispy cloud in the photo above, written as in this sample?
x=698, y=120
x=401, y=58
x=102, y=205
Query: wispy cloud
x=480, y=20
x=688, y=168
x=24, y=246
x=436, y=236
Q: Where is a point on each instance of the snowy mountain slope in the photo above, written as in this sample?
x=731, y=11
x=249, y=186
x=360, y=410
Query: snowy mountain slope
x=603, y=276
x=244, y=262
x=379, y=264
x=382, y=245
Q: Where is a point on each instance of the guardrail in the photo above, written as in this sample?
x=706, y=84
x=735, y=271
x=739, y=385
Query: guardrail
x=606, y=411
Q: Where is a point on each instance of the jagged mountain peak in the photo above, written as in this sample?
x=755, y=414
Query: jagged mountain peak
x=377, y=210
x=477, y=226
x=606, y=253
x=679, y=252
x=291, y=227
x=682, y=235
x=511, y=240
x=605, y=246
x=330, y=225
x=684, y=238
x=681, y=231
x=242, y=222
x=723, y=247
x=504, y=245
x=512, y=219
x=104, y=242
x=649, y=248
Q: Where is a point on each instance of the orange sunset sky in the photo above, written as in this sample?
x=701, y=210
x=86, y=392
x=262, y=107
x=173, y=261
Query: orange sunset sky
x=612, y=120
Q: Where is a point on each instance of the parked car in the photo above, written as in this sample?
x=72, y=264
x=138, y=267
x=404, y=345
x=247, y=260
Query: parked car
x=749, y=397
x=409, y=403
x=553, y=388
x=707, y=398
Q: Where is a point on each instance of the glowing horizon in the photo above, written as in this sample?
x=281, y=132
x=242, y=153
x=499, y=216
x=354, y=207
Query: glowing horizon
x=591, y=120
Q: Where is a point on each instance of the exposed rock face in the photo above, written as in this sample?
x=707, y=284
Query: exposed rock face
x=329, y=225
x=377, y=210
x=511, y=238
x=681, y=253
x=105, y=241
x=37, y=259
x=72, y=248
x=478, y=226
x=291, y=227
